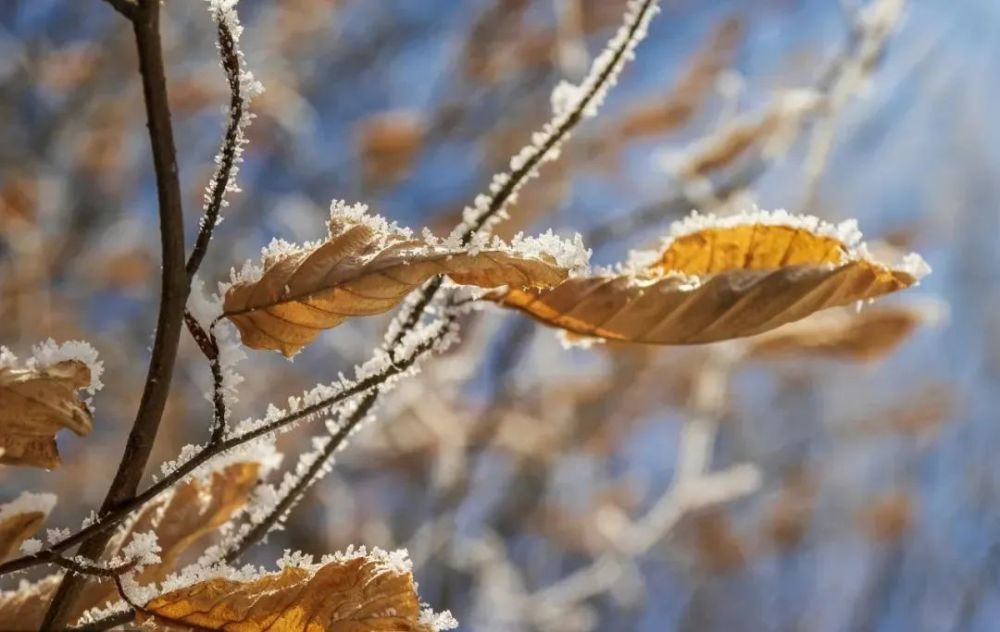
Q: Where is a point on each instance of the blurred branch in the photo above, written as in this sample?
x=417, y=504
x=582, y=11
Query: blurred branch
x=126, y=7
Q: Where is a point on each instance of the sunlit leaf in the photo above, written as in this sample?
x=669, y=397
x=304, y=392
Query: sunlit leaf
x=35, y=404
x=720, y=279
x=347, y=594
x=364, y=267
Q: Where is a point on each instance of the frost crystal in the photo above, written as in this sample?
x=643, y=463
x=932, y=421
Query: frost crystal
x=49, y=353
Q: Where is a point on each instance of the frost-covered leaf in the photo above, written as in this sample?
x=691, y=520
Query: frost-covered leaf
x=194, y=509
x=364, y=267
x=35, y=404
x=347, y=593
x=21, y=518
x=716, y=279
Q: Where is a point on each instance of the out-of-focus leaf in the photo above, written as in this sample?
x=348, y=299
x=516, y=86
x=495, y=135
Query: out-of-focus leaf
x=890, y=517
x=687, y=95
x=35, y=405
x=362, y=269
x=719, y=281
x=767, y=134
x=388, y=144
x=866, y=336
x=24, y=608
x=22, y=518
x=345, y=595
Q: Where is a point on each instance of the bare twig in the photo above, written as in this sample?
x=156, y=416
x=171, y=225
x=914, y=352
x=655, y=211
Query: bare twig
x=173, y=293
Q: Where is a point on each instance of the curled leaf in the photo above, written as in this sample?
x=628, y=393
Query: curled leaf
x=720, y=279
x=35, y=404
x=22, y=518
x=350, y=593
x=364, y=267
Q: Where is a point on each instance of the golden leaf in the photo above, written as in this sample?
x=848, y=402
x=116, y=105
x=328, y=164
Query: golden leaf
x=20, y=519
x=363, y=268
x=353, y=594
x=35, y=404
x=720, y=279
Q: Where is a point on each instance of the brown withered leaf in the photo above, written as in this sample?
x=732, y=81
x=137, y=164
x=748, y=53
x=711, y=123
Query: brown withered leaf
x=35, y=404
x=691, y=89
x=360, y=270
x=387, y=144
x=890, y=517
x=719, y=281
x=845, y=334
x=22, y=518
x=24, y=608
x=358, y=594
x=193, y=510
x=768, y=133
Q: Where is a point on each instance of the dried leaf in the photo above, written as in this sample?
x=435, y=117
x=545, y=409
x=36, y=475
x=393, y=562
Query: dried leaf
x=22, y=518
x=890, y=517
x=720, y=279
x=866, y=336
x=718, y=547
x=35, y=404
x=348, y=594
x=388, y=143
x=689, y=92
x=363, y=268
x=193, y=510
x=769, y=134
x=24, y=608
x=189, y=512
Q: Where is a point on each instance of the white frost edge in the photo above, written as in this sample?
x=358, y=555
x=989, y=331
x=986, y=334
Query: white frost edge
x=28, y=502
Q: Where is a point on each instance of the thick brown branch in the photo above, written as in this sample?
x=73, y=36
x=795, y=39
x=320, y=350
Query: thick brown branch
x=173, y=295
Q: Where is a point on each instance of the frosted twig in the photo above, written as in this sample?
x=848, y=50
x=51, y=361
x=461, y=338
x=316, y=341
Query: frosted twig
x=242, y=88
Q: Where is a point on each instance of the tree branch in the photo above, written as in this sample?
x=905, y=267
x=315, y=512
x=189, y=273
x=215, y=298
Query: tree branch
x=125, y=7
x=173, y=294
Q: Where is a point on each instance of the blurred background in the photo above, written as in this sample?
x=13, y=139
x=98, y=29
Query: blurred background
x=536, y=487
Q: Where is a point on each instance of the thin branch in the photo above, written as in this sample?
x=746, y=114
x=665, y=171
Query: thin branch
x=83, y=568
x=122, y=511
x=229, y=152
x=173, y=295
